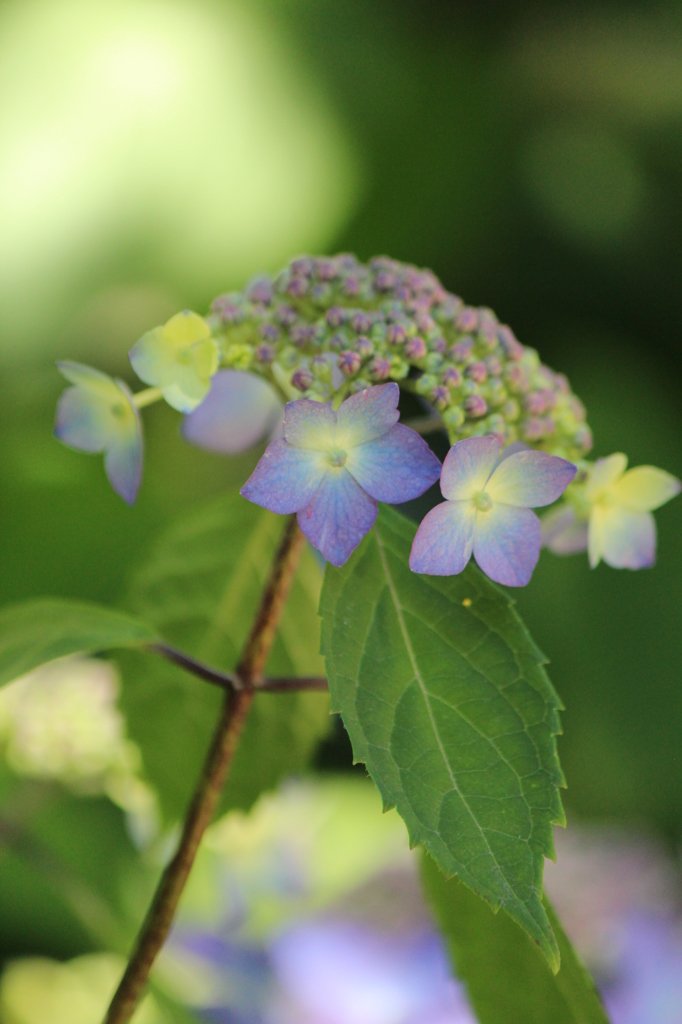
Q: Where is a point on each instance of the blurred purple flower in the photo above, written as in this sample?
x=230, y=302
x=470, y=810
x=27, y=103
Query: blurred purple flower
x=487, y=511
x=338, y=972
x=240, y=410
x=647, y=987
x=331, y=467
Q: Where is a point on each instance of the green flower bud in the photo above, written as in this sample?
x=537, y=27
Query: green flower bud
x=426, y=383
x=454, y=417
x=238, y=356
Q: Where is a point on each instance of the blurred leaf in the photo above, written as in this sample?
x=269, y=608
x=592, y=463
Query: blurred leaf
x=201, y=587
x=35, y=632
x=446, y=701
x=505, y=974
x=66, y=863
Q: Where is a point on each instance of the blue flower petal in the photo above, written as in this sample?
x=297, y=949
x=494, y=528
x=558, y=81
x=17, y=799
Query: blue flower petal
x=367, y=415
x=82, y=421
x=123, y=465
x=98, y=414
x=507, y=544
x=309, y=424
x=530, y=479
x=239, y=411
x=444, y=541
x=286, y=478
x=468, y=466
x=562, y=531
x=396, y=467
x=338, y=517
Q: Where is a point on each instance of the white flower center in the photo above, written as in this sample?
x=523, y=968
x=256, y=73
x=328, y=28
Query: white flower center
x=483, y=502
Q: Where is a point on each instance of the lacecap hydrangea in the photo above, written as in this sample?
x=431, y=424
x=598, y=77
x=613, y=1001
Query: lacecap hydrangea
x=327, y=329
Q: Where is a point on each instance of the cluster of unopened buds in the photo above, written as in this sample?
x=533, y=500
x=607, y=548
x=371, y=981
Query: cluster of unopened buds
x=336, y=340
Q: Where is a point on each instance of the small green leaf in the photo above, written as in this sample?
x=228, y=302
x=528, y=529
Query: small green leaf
x=201, y=587
x=35, y=632
x=446, y=700
x=504, y=971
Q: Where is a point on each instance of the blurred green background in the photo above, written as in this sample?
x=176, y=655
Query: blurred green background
x=156, y=152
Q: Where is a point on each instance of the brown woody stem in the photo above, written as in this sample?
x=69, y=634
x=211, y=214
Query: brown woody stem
x=159, y=919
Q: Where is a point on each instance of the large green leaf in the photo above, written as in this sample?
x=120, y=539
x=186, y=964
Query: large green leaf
x=200, y=588
x=504, y=971
x=446, y=700
x=34, y=632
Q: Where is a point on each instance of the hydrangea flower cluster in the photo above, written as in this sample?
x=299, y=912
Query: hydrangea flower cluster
x=390, y=321
x=335, y=338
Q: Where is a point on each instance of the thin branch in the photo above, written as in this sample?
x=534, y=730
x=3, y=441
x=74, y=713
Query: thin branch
x=293, y=685
x=230, y=680
x=226, y=680
x=160, y=916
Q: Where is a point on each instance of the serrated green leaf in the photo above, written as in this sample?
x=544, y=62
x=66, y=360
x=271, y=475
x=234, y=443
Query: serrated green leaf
x=446, y=700
x=201, y=587
x=35, y=632
x=506, y=976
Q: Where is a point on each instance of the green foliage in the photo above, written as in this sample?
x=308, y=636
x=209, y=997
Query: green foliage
x=506, y=975
x=201, y=587
x=35, y=632
x=446, y=700
x=66, y=863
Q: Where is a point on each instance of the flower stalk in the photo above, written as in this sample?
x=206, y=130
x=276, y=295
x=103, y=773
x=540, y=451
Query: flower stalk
x=159, y=919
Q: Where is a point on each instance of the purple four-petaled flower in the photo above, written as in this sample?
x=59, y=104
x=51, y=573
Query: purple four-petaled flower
x=332, y=466
x=487, y=511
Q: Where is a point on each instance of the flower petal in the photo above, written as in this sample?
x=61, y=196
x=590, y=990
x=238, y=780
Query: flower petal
x=92, y=412
x=604, y=474
x=83, y=420
x=396, y=467
x=97, y=415
x=529, y=479
x=310, y=425
x=562, y=532
x=645, y=488
x=338, y=517
x=152, y=356
x=180, y=358
x=468, y=466
x=123, y=458
x=507, y=544
x=625, y=539
x=238, y=412
x=186, y=328
x=286, y=478
x=183, y=389
x=86, y=377
x=367, y=415
x=444, y=541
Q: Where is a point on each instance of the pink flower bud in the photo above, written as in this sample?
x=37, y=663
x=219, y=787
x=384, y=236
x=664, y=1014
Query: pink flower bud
x=475, y=406
x=476, y=372
x=415, y=348
x=302, y=379
x=452, y=377
x=349, y=362
x=396, y=334
x=468, y=319
x=513, y=349
x=380, y=369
